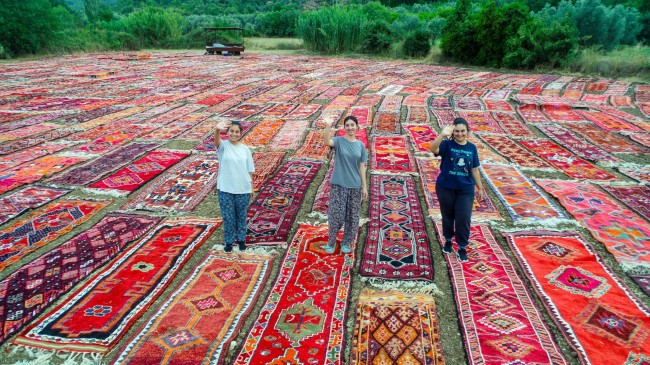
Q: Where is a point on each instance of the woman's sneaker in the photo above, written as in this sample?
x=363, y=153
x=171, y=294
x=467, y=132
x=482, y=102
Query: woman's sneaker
x=330, y=248
x=228, y=248
x=447, y=249
x=242, y=246
x=462, y=255
x=345, y=248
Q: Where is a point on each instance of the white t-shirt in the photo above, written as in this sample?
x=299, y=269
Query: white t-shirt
x=235, y=166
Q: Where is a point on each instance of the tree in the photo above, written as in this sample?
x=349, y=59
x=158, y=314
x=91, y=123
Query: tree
x=26, y=26
x=91, y=8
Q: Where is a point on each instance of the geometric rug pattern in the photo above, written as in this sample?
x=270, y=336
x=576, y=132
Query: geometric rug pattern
x=27, y=198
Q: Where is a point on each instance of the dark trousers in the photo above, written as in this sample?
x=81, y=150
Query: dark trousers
x=456, y=210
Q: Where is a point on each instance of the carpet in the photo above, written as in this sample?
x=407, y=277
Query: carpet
x=523, y=200
x=397, y=246
x=444, y=117
x=640, y=172
x=440, y=102
x=624, y=234
x=139, y=172
x=485, y=153
x=32, y=171
x=641, y=138
x=416, y=114
x=14, y=146
x=30, y=289
x=512, y=125
x=608, y=141
x=429, y=169
x=341, y=102
x=497, y=105
x=92, y=123
x=515, y=153
x=481, y=122
x=303, y=319
x=202, y=131
x=43, y=226
x=362, y=135
x=531, y=113
x=262, y=133
x=28, y=198
x=271, y=214
x=95, y=317
x=277, y=111
x=391, y=104
x=17, y=158
x=265, y=165
x=391, y=154
x=312, y=147
x=28, y=131
x=363, y=115
x=243, y=111
x=566, y=161
x=97, y=168
x=181, y=188
x=396, y=328
x=610, y=123
x=474, y=104
x=561, y=113
x=500, y=323
x=386, y=123
x=621, y=101
x=113, y=139
x=201, y=318
x=289, y=136
x=322, y=199
x=303, y=111
x=636, y=197
x=177, y=127
x=421, y=136
x=596, y=312
x=595, y=98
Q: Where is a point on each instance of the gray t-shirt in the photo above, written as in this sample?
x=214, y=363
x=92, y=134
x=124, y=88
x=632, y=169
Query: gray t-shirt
x=347, y=157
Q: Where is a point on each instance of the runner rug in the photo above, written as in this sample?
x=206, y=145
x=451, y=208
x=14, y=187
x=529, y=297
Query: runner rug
x=181, y=188
x=271, y=214
x=44, y=226
x=139, y=172
x=421, y=135
x=198, y=322
x=566, y=161
x=28, y=290
x=303, y=319
x=500, y=323
x=513, y=126
x=33, y=153
x=386, y=123
x=265, y=165
x=396, y=328
x=523, y=200
x=391, y=154
x=87, y=173
x=397, y=245
x=322, y=199
x=312, y=147
x=596, y=311
x=289, y=136
x=635, y=197
x=531, y=113
x=640, y=172
x=577, y=145
x=429, y=169
x=481, y=122
x=262, y=133
x=35, y=170
x=624, y=234
x=609, y=122
x=28, y=198
x=416, y=114
x=95, y=317
x=244, y=111
x=607, y=141
x=515, y=153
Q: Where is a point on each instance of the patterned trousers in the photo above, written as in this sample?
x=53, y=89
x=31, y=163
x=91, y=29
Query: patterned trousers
x=343, y=211
x=233, y=210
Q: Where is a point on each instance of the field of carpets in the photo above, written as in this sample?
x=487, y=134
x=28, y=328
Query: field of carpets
x=111, y=236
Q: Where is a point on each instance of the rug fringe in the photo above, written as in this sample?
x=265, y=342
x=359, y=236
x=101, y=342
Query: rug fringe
x=636, y=269
x=253, y=250
x=317, y=215
x=415, y=286
x=78, y=154
x=382, y=172
x=36, y=356
x=112, y=192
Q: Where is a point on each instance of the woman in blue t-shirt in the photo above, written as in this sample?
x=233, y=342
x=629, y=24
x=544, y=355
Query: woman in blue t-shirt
x=455, y=184
x=348, y=181
x=234, y=183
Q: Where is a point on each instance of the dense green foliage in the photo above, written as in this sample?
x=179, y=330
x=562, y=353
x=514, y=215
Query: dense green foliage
x=417, y=44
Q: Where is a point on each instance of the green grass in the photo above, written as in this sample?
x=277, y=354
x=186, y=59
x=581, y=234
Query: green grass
x=273, y=44
x=630, y=63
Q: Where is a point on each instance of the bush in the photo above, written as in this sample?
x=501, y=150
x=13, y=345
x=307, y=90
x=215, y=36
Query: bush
x=376, y=37
x=538, y=43
x=154, y=27
x=279, y=23
x=331, y=30
x=416, y=44
x=494, y=25
x=26, y=26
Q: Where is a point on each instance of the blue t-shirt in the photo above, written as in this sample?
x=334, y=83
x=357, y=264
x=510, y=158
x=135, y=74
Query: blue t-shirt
x=347, y=158
x=456, y=164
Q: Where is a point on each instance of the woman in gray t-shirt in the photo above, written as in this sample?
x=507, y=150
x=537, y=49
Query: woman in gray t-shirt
x=349, y=186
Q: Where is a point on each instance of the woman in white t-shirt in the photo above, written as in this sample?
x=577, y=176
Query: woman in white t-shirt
x=234, y=183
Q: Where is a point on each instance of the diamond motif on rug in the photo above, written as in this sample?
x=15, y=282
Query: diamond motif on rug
x=301, y=321
x=578, y=281
x=511, y=346
x=502, y=323
x=554, y=249
x=494, y=301
x=209, y=303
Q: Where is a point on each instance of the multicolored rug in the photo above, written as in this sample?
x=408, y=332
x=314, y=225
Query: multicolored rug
x=577, y=145
x=262, y=133
x=500, y=322
x=312, y=147
x=481, y=122
x=271, y=214
x=497, y=105
x=265, y=165
x=605, y=140
x=531, y=113
x=635, y=197
x=566, y=161
x=468, y=104
x=289, y=136
x=25, y=132
x=429, y=169
x=28, y=290
x=44, y=226
x=391, y=154
x=139, y=172
x=181, y=188
x=641, y=138
x=416, y=114
x=515, y=153
x=87, y=173
x=28, y=198
x=244, y=111
x=595, y=310
x=303, y=319
x=523, y=200
x=396, y=328
x=363, y=115
x=610, y=123
x=95, y=317
x=397, y=246
x=11, y=147
x=198, y=321
x=640, y=172
x=561, y=113
x=624, y=234
x=322, y=199
x=440, y=102
x=113, y=140
x=361, y=135
x=510, y=123
x=386, y=123
x=32, y=153
x=303, y=111
x=421, y=135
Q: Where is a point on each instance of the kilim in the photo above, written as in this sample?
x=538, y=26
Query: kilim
x=577, y=144
x=198, y=322
x=595, y=99
x=417, y=99
x=334, y=114
x=177, y=127
x=114, y=139
x=243, y=111
x=429, y=169
x=10, y=147
x=322, y=199
x=523, y=200
x=181, y=188
x=597, y=86
x=289, y=136
x=262, y=133
x=421, y=136
x=468, y=104
x=303, y=319
x=440, y=102
x=640, y=173
x=340, y=102
x=621, y=101
x=566, y=161
x=531, y=113
x=512, y=126
x=28, y=290
x=610, y=123
x=642, y=138
x=444, y=117
x=214, y=99
x=138, y=173
x=303, y=111
x=390, y=90
x=28, y=198
x=416, y=114
x=44, y=226
x=635, y=197
x=645, y=125
x=103, y=130
x=271, y=214
x=605, y=140
x=313, y=147
x=391, y=104
x=396, y=328
x=500, y=323
x=89, y=172
x=391, y=154
x=486, y=153
x=201, y=131
x=89, y=115
x=397, y=246
x=34, y=170
x=30, y=154
x=26, y=122
x=624, y=234
x=265, y=165
x=515, y=153
x=386, y=123
x=481, y=122
x=497, y=94
x=497, y=105
x=277, y=111
x=95, y=317
x=27, y=131
x=43, y=104
x=596, y=312
x=561, y=113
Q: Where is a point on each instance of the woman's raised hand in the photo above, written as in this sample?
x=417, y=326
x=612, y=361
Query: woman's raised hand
x=222, y=126
x=328, y=121
x=448, y=131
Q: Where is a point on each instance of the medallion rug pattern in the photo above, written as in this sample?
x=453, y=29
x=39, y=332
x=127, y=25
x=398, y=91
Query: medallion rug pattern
x=28, y=198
